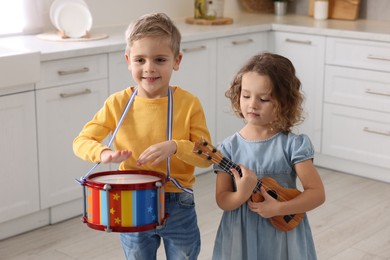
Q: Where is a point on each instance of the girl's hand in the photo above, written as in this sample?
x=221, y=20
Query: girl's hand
x=246, y=183
x=108, y=156
x=267, y=208
x=157, y=153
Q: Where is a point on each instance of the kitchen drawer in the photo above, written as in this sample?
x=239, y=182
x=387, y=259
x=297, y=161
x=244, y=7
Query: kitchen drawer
x=73, y=70
x=357, y=135
x=358, y=88
x=358, y=54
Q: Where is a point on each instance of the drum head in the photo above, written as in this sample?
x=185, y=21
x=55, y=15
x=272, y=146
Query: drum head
x=125, y=180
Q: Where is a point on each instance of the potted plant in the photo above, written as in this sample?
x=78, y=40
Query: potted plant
x=280, y=7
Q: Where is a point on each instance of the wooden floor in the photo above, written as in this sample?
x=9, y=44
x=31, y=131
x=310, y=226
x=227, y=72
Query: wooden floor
x=353, y=224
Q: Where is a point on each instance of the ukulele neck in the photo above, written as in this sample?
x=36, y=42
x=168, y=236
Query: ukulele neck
x=227, y=165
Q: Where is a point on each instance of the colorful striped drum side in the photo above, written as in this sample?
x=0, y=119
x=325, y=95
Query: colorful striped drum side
x=129, y=208
x=162, y=203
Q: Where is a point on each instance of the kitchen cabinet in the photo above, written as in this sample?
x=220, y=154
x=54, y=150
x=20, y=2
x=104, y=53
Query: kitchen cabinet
x=118, y=74
x=307, y=53
x=357, y=107
x=19, y=195
x=71, y=92
x=197, y=75
x=232, y=53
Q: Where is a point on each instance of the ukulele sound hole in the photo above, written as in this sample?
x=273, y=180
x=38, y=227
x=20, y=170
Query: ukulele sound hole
x=273, y=194
x=288, y=218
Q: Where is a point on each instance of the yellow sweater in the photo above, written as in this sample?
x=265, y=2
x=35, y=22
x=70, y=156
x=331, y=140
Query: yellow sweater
x=144, y=125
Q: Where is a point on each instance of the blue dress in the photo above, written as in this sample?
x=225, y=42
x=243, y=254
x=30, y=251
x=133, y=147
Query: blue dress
x=243, y=234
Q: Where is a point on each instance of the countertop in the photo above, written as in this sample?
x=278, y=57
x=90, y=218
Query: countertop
x=243, y=23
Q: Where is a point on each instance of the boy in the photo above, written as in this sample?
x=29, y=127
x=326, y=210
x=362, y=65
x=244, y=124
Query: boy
x=145, y=139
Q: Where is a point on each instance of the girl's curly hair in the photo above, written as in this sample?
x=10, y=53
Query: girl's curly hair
x=286, y=89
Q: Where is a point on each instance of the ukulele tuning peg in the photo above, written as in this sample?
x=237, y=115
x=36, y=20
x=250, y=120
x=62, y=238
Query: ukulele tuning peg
x=199, y=152
x=209, y=158
x=205, y=143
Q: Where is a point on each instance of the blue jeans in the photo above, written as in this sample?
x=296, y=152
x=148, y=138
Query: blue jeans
x=180, y=233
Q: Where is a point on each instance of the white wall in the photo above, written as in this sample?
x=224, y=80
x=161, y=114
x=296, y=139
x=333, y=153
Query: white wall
x=122, y=12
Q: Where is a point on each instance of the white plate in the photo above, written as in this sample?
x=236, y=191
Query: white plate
x=57, y=3
x=73, y=19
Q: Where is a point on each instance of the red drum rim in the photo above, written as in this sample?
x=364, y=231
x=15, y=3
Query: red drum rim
x=125, y=229
x=126, y=186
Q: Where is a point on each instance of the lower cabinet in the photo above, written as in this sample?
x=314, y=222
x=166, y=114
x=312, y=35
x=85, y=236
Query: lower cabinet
x=307, y=53
x=232, y=53
x=356, y=115
x=62, y=112
x=19, y=194
x=357, y=135
x=119, y=75
x=197, y=75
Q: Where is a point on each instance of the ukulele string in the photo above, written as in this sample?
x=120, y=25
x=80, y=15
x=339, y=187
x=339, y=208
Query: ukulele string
x=226, y=164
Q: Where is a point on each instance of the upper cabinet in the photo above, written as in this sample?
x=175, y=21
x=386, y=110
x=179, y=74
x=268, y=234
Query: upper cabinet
x=307, y=53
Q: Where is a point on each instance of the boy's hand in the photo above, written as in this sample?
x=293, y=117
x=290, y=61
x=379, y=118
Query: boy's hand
x=108, y=156
x=157, y=153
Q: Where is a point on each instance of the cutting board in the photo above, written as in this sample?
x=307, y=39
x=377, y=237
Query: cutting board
x=340, y=9
x=217, y=21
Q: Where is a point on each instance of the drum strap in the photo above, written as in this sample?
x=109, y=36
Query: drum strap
x=169, y=137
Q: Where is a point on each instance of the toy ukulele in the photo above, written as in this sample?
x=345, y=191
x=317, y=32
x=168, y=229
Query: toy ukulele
x=284, y=223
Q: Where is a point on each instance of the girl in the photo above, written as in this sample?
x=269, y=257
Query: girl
x=266, y=94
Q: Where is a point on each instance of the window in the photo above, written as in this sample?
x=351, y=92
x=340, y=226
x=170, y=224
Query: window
x=12, y=20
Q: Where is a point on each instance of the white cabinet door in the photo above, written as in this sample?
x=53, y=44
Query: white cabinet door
x=19, y=194
x=62, y=112
x=307, y=53
x=197, y=75
x=118, y=73
x=233, y=52
x=360, y=135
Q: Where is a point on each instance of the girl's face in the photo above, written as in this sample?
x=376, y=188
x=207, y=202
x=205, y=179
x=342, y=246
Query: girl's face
x=151, y=62
x=256, y=102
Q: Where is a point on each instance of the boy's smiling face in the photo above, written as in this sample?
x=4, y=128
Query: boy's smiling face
x=151, y=62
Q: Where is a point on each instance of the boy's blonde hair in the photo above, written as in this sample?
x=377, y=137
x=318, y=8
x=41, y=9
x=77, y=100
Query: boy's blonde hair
x=157, y=25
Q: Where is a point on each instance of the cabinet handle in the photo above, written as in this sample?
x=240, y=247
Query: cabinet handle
x=373, y=131
x=307, y=42
x=375, y=57
x=79, y=93
x=373, y=92
x=68, y=72
x=242, y=42
x=199, y=48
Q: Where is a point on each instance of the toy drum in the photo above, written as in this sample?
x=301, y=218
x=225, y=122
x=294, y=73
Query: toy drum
x=124, y=201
